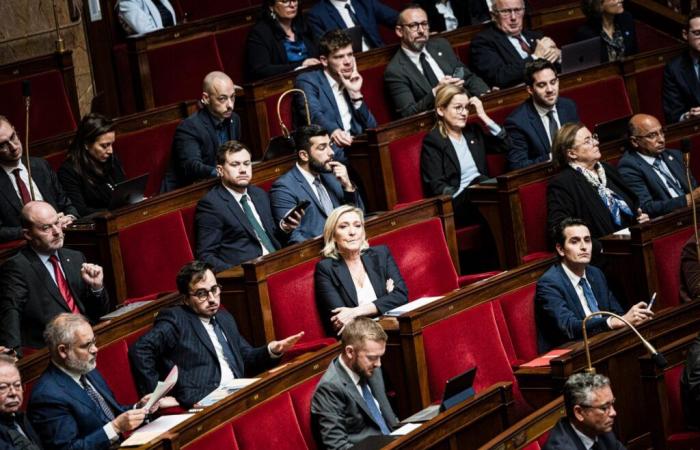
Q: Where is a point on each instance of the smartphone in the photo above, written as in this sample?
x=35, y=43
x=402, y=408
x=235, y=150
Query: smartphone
x=458, y=72
x=301, y=206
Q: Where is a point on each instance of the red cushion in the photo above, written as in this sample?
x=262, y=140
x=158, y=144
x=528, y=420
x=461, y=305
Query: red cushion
x=518, y=309
x=301, y=400
x=56, y=159
x=188, y=221
x=534, y=445
x=683, y=441
x=650, y=82
x=113, y=362
x=221, y=438
x=153, y=252
x=542, y=439
x=405, y=163
x=533, y=203
x=231, y=50
x=587, y=98
x=497, y=164
x=466, y=280
x=195, y=58
x=270, y=425
x=667, y=262
x=530, y=257
x=375, y=94
x=470, y=238
x=672, y=379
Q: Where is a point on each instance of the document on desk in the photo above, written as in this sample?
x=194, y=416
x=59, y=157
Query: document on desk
x=623, y=232
x=407, y=428
x=224, y=391
x=151, y=431
x=162, y=388
x=410, y=306
x=125, y=309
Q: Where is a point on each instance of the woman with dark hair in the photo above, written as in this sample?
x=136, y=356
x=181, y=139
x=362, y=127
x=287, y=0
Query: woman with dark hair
x=609, y=20
x=90, y=171
x=279, y=42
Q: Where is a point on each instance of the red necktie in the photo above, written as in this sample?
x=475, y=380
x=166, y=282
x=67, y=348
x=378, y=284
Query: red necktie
x=524, y=45
x=63, y=285
x=23, y=191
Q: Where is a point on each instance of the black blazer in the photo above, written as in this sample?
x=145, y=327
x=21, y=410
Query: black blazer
x=623, y=22
x=681, y=88
x=6, y=427
x=11, y=205
x=29, y=298
x=178, y=337
x=265, y=53
x=225, y=237
x=335, y=288
x=439, y=165
x=89, y=198
x=563, y=437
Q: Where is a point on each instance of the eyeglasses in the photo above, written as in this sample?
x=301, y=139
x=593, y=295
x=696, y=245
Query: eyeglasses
x=654, y=135
x=203, y=294
x=287, y=2
x=461, y=108
x=16, y=386
x=510, y=12
x=604, y=408
x=589, y=140
x=413, y=26
x=14, y=139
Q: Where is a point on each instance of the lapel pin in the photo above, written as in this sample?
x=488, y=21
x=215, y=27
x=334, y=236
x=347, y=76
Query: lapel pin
x=439, y=53
x=670, y=158
x=471, y=142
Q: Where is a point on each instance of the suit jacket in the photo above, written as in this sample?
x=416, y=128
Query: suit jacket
x=563, y=437
x=29, y=298
x=339, y=414
x=292, y=188
x=194, y=149
x=409, y=89
x=681, y=89
x=495, y=60
x=623, y=22
x=6, y=428
x=225, y=237
x=529, y=143
x=65, y=416
x=558, y=311
x=644, y=181
x=178, y=337
x=323, y=17
x=142, y=16
x=86, y=197
x=323, y=107
x=439, y=164
x=690, y=386
x=690, y=272
x=11, y=205
x=334, y=286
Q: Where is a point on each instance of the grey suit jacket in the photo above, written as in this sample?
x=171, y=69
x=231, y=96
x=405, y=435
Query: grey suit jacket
x=408, y=88
x=339, y=415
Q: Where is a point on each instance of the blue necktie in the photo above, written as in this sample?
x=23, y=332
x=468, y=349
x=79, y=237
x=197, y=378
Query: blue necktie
x=226, y=348
x=670, y=180
x=376, y=414
x=97, y=398
x=588, y=294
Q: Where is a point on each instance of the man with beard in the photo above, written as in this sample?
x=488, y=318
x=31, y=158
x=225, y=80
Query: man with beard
x=533, y=125
x=16, y=432
x=15, y=190
x=233, y=222
x=317, y=179
x=350, y=402
x=71, y=405
x=44, y=279
x=422, y=65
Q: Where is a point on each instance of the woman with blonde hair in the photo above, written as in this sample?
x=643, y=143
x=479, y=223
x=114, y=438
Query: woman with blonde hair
x=354, y=279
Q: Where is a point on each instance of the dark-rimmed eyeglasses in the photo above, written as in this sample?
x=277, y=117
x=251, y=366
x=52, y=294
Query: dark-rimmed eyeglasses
x=203, y=294
x=413, y=26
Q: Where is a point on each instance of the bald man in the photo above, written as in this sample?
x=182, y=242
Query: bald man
x=199, y=136
x=657, y=175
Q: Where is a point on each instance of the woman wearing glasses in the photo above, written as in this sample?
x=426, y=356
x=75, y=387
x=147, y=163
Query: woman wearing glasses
x=609, y=20
x=279, y=42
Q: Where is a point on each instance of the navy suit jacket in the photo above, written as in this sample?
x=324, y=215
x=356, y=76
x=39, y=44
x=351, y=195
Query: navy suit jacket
x=65, y=416
x=194, y=149
x=291, y=188
x=529, y=143
x=563, y=437
x=178, y=337
x=335, y=288
x=654, y=198
x=681, y=88
x=323, y=17
x=225, y=237
x=6, y=442
x=558, y=311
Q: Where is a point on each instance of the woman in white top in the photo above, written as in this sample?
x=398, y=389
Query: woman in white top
x=354, y=279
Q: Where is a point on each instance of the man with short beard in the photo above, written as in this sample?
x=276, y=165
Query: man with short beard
x=316, y=178
x=16, y=432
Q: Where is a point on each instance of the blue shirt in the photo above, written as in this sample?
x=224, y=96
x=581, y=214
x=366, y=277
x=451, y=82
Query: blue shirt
x=296, y=50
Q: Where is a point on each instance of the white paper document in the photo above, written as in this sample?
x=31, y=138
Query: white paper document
x=151, y=431
x=623, y=232
x=224, y=391
x=162, y=388
x=125, y=309
x=405, y=429
x=410, y=306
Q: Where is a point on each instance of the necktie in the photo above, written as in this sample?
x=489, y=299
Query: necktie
x=226, y=348
x=524, y=46
x=23, y=191
x=222, y=131
x=323, y=197
x=427, y=70
x=353, y=17
x=257, y=227
x=97, y=398
x=553, y=127
x=372, y=406
x=18, y=438
x=63, y=285
x=670, y=180
x=588, y=294
x=165, y=15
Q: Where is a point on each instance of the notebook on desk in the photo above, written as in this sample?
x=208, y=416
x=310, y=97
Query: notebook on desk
x=580, y=55
x=457, y=389
x=128, y=192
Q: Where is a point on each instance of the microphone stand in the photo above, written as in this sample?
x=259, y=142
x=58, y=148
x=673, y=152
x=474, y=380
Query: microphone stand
x=27, y=101
x=686, y=160
x=658, y=358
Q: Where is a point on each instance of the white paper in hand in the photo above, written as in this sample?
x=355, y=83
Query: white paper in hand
x=162, y=388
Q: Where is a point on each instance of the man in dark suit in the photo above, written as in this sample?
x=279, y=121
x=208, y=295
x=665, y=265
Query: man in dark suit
x=499, y=53
x=590, y=415
x=198, y=137
x=572, y=289
x=681, y=88
x=316, y=178
x=71, y=406
x=233, y=222
x=16, y=432
x=15, y=190
x=335, y=93
x=422, y=65
x=533, y=125
x=44, y=279
x=657, y=175
x=201, y=340
x=350, y=402
x=328, y=15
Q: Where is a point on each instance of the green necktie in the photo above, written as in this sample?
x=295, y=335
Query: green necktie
x=257, y=227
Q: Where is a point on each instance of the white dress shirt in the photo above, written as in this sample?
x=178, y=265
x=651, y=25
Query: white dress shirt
x=24, y=176
x=415, y=59
x=226, y=373
x=585, y=440
x=345, y=15
x=365, y=293
x=237, y=196
x=650, y=159
x=340, y=100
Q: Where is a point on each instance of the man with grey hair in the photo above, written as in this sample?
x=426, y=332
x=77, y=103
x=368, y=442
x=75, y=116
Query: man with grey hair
x=71, y=405
x=16, y=432
x=590, y=414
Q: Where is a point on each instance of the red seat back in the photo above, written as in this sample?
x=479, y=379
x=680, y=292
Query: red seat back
x=270, y=425
x=462, y=51
x=651, y=81
x=113, y=362
x=587, y=98
x=405, y=163
x=518, y=309
x=232, y=52
x=535, y=216
x=55, y=160
x=301, y=400
x=188, y=221
x=650, y=38
x=125, y=81
x=672, y=379
x=667, y=262
x=563, y=32
x=375, y=94
x=285, y=111
x=497, y=164
x=221, y=438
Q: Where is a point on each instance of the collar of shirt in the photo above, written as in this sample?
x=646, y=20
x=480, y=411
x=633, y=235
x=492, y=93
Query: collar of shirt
x=307, y=175
x=351, y=373
x=585, y=439
x=335, y=86
x=542, y=111
x=44, y=257
x=415, y=56
x=575, y=279
x=650, y=159
x=237, y=195
x=8, y=169
x=73, y=375
x=340, y=4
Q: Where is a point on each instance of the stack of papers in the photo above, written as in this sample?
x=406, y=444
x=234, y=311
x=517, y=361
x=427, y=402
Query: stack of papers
x=151, y=431
x=224, y=391
x=410, y=306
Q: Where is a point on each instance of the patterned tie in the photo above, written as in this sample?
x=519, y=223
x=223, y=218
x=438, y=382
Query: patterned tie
x=257, y=227
x=372, y=406
x=97, y=398
x=323, y=197
x=553, y=127
x=670, y=180
x=427, y=70
x=23, y=191
x=225, y=347
x=524, y=46
x=588, y=294
x=63, y=285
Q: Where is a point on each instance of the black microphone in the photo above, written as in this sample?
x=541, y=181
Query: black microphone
x=659, y=360
x=26, y=88
x=686, y=145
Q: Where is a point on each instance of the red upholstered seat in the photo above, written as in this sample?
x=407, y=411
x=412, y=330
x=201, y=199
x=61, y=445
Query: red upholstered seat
x=388, y=35
x=497, y=164
x=672, y=379
x=232, y=50
x=270, y=425
x=649, y=82
x=188, y=221
x=562, y=32
x=125, y=81
x=667, y=259
x=543, y=438
x=534, y=445
x=650, y=38
x=55, y=160
x=587, y=98
x=405, y=163
x=113, y=362
x=462, y=52
x=221, y=438
x=301, y=400
x=195, y=58
x=533, y=201
x=285, y=110
x=375, y=94
x=12, y=244
x=520, y=333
